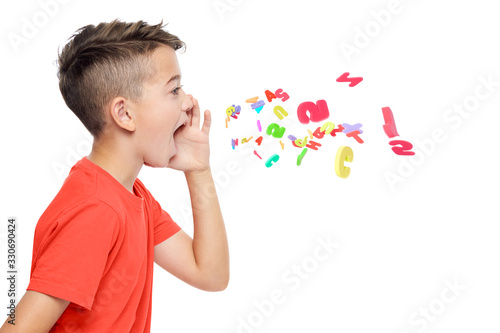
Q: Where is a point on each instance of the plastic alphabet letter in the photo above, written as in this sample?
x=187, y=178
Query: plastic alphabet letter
x=313, y=145
x=390, y=125
x=303, y=108
x=271, y=160
x=281, y=94
x=301, y=156
x=327, y=127
x=318, y=133
x=301, y=143
x=280, y=112
x=338, y=129
x=259, y=140
x=344, y=154
x=270, y=96
x=257, y=104
x=230, y=111
x=351, y=128
x=404, y=149
x=252, y=100
x=353, y=80
x=275, y=130
x=354, y=134
x=317, y=112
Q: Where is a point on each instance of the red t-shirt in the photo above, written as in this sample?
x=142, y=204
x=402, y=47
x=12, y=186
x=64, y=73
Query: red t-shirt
x=94, y=246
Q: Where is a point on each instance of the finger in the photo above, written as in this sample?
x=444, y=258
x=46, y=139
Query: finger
x=195, y=120
x=189, y=115
x=207, y=121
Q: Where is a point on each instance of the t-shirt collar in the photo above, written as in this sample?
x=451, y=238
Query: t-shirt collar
x=136, y=198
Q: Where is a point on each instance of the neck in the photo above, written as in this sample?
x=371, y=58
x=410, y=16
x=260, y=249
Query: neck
x=117, y=160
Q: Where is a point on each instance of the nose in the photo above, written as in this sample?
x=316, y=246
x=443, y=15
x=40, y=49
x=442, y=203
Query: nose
x=187, y=103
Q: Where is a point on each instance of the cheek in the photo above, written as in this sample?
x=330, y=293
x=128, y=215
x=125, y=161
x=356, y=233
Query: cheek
x=160, y=131
x=158, y=122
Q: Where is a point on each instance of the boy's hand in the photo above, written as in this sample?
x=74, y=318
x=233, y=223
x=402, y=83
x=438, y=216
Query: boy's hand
x=193, y=149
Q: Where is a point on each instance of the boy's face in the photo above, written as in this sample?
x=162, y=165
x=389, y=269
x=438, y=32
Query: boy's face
x=161, y=111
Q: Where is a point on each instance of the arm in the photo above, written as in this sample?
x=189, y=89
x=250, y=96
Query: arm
x=35, y=313
x=203, y=261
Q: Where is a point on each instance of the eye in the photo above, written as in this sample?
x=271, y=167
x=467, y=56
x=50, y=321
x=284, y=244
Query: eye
x=176, y=90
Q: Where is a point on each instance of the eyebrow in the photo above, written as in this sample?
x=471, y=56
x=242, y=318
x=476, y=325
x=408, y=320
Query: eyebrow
x=173, y=78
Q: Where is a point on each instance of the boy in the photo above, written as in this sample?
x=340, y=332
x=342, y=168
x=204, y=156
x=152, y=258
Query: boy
x=95, y=244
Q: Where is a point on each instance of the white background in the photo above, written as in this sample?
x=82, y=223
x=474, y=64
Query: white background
x=397, y=245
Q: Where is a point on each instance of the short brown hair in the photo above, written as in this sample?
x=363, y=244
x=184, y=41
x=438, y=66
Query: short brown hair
x=108, y=60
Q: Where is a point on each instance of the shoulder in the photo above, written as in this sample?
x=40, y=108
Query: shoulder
x=79, y=201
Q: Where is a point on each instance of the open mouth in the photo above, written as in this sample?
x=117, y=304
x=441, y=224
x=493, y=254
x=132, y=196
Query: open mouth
x=180, y=126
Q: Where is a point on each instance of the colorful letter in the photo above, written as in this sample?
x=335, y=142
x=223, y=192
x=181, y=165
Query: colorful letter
x=313, y=145
x=275, y=130
x=280, y=112
x=271, y=160
x=301, y=156
x=270, y=96
x=327, y=127
x=405, y=145
x=301, y=143
x=281, y=94
x=317, y=112
x=344, y=154
x=390, y=125
x=230, y=111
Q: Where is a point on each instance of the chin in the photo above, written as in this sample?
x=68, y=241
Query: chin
x=157, y=164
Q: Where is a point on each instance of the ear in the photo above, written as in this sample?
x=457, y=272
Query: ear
x=121, y=114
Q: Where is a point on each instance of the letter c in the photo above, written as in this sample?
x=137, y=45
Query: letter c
x=344, y=154
x=273, y=159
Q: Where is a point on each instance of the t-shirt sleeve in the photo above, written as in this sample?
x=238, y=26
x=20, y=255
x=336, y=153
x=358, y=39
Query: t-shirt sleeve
x=70, y=259
x=164, y=225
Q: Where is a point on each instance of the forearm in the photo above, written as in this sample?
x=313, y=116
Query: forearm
x=210, y=246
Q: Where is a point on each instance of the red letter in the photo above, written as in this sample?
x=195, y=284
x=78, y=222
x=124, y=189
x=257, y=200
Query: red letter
x=317, y=112
x=270, y=96
x=390, y=125
x=318, y=134
x=354, y=134
x=405, y=145
x=313, y=145
x=339, y=129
